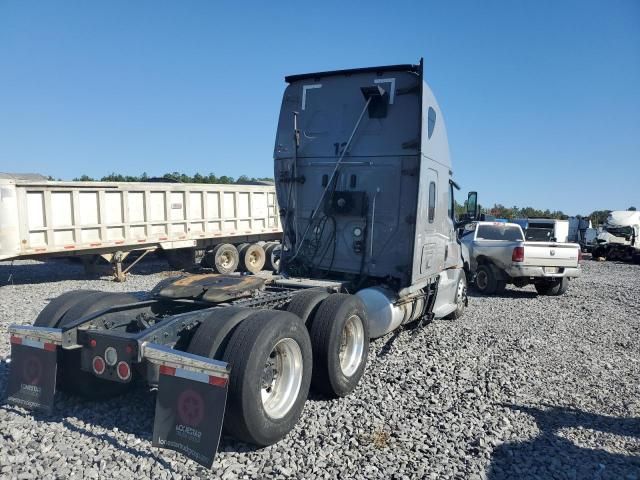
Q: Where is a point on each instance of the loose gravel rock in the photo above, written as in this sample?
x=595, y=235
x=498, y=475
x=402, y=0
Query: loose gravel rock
x=523, y=386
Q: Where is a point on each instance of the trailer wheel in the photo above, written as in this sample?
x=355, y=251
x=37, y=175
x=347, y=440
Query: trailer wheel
x=72, y=379
x=340, y=341
x=461, y=298
x=487, y=281
x=252, y=258
x=213, y=334
x=273, y=252
x=56, y=308
x=554, y=287
x=305, y=303
x=270, y=357
x=225, y=258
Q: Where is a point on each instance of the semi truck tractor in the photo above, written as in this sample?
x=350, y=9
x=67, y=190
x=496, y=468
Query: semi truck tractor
x=366, y=195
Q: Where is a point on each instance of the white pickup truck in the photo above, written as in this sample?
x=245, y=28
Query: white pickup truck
x=497, y=254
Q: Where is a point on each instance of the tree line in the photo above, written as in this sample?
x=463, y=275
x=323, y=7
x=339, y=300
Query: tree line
x=174, y=177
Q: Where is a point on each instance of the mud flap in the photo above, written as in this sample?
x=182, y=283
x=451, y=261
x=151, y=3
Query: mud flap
x=32, y=377
x=191, y=400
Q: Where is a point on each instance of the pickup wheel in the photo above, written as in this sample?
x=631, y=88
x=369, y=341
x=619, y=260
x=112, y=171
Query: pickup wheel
x=72, y=379
x=340, y=340
x=486, y=280
x=554, y=287
x=213, y=334
x=461, y=298
x=270, y=357
x=56, y=308
x=305, y=303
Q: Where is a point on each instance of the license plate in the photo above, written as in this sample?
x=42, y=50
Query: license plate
x=551, y=269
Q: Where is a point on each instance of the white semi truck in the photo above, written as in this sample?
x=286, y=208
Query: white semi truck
x=620, y=236
x=364, y=181
x=109, y=220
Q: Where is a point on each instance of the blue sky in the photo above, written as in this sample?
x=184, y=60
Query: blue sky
x=541, y=99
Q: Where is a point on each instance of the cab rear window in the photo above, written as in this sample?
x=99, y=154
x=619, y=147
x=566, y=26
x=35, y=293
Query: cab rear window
x=499, y=232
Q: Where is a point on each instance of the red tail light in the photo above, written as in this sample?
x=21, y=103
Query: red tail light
x=98, y=365
x=123, y=370
x=518, y=254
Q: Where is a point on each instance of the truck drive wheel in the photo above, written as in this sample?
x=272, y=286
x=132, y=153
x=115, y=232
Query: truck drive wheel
x=224, y=258
x=305, y=303
x=554, y=287
x=252, y=258
x=461, y=298
x=72, y=379
x=340, y=341
x=213, y=334
x=56, y=308
x=270, y=357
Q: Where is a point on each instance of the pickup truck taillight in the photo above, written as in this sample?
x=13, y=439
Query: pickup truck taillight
x=518, y=254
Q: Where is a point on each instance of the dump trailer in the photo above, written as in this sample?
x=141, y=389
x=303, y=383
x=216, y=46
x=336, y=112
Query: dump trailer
x=364, y=183
x=221, y=224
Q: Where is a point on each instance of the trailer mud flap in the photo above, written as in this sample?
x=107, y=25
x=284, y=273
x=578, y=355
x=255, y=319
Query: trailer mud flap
x=32, y=377
x=192, y=395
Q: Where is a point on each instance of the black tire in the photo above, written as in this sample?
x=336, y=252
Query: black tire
x=248, y=351
x=213, y=334
x=461, y=298
x=553, y=288
x=252, y=258
x=326, y=339
x=180, y=258
x=272, y=252
x=71, y=378
x=56, y=308
x=486, y=281
x=305, y=303
x=225, y=258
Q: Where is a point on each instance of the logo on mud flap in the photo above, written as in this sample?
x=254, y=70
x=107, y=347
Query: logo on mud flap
x=32, y=371
x=190, y=408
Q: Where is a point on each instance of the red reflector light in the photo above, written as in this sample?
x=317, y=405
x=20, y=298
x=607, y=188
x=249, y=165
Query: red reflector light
x=165, y=370
x=217, y=381
x=93, y=343
x=129, y=349
x=98, y=365
x=16, y=340
x=50, y=347
x=518, y=254
x=124, y=371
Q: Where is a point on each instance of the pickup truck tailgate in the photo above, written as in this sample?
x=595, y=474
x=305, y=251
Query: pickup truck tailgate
x=542, y=254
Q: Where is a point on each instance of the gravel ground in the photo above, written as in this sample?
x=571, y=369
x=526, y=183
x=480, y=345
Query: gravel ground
x=521, y=387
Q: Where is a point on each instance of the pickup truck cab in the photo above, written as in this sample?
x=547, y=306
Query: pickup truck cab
x=497, y=254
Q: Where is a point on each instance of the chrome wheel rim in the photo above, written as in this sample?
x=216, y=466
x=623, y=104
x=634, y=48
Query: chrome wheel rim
x=281, y=378
x=351, y=345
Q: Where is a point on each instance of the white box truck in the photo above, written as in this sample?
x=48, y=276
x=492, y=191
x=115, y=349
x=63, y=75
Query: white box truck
x=220, y=223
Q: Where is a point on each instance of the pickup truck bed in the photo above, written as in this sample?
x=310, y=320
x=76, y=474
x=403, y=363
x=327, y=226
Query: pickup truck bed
x=496, y=254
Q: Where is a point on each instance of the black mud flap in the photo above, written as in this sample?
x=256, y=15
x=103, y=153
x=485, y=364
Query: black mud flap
x=189, y=412
x=32, y=377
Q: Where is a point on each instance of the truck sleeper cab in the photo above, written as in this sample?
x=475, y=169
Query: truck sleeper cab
x=365, y=186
